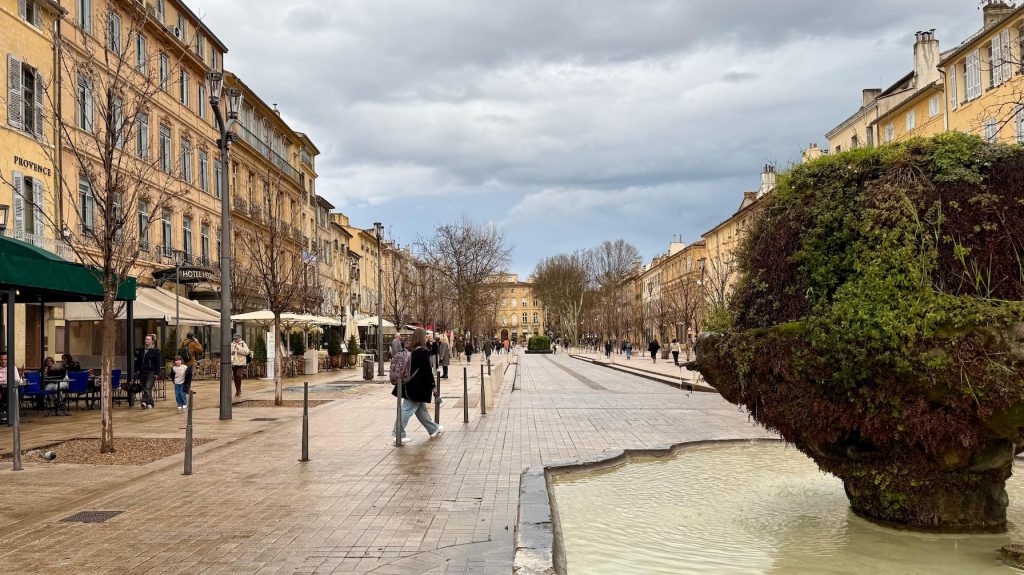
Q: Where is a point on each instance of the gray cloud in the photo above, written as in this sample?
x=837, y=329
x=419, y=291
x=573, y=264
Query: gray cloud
x=642, y=118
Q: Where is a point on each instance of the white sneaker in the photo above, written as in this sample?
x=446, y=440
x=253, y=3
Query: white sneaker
x=439, y=431
x=404, y=438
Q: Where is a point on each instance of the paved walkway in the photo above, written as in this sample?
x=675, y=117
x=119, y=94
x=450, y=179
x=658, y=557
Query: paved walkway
x=445, y=505
x=643, y=363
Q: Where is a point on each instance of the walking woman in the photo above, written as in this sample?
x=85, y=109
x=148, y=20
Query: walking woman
x=148, y=364
x=419, y=390
x=675, y=351
x=444, y=355
x=239, y=359
x=653, y=347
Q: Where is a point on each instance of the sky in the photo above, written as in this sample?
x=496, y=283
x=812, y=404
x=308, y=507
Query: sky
x=568, y=122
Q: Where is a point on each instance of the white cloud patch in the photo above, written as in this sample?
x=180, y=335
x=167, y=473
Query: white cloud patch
x=569, y=122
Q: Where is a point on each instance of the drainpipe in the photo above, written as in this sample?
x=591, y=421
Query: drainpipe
x=945, y=101
x=58, y=164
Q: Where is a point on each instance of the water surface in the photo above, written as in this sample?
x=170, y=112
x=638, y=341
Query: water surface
x=749, y=508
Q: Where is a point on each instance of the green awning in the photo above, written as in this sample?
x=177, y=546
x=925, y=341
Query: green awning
x=41, y=276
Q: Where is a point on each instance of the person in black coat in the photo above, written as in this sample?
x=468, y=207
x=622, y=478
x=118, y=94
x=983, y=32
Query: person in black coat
x=653, y=347
x=148, y=363
x=419, y=390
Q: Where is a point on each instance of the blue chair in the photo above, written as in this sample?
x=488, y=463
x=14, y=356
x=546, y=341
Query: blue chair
x=78, y=386
x=34, y=377
x=33, y=391
x=116, y=393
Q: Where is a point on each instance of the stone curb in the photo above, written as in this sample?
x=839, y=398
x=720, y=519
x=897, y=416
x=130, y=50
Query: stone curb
x=538, y=543
x=640, y=372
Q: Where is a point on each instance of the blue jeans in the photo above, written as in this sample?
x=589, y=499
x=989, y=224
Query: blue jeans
x=179, y=395
x=629, y=353
x=422, y=413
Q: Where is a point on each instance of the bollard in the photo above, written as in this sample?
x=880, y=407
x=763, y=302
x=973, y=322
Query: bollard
x=437, y=397
x=14, y=419
x=305, y=421
x=483, y=400
x=465, y=395
x=400, y=388
x=188, y=434
x=488, y=365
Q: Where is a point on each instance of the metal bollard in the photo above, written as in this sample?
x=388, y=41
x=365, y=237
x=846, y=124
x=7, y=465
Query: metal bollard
x=465, y=395
x=488, y=365
x=398, y=415
x=437, y=398
x=188, y=434
x=483, y=399
x=305, y=421
x=14, y=420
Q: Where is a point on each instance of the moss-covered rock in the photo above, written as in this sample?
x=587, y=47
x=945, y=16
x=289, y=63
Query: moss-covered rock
x=879, y=326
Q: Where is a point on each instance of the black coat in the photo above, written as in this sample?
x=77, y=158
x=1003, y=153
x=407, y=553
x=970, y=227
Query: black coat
x=149, y=361
x=421, y=387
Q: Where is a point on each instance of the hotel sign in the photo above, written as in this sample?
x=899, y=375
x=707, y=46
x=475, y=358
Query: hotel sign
x=186, y=275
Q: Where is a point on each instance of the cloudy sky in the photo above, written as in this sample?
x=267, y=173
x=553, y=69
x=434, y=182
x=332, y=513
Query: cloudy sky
x=566, y=122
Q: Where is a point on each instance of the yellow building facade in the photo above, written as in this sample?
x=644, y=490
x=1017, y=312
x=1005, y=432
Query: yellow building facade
x=520, y=314
x=28, y=171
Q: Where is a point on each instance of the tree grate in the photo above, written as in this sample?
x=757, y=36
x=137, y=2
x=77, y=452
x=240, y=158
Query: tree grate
x=263, y=419
x=91, y=516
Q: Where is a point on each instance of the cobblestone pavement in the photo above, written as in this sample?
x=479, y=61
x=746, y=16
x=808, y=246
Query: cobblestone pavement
x=444, y=505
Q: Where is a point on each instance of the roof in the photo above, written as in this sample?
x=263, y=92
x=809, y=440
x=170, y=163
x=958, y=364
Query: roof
x=969, y=42
x=198, y=23
x=40, y=276
x=936, y=85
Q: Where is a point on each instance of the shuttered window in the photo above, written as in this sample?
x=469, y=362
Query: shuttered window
x=972, y=75
x=1007, y=52
x=86, y=204
x=142, y=137
x=995, y=63
x=26, y=97
x=954, y=98
x=85, y=15
x=83, y=104
x=141, y=53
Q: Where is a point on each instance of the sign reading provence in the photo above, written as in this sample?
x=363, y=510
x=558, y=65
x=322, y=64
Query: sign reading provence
x=186, y=275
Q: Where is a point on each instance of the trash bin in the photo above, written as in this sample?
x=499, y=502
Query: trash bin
x=367, y=369
x=311, y=362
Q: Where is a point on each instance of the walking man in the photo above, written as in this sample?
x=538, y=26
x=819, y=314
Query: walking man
x=239, y=359
x=148, y=364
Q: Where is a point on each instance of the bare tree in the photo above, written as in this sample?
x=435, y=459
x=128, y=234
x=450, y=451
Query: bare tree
x=398, y=290
x=108, y=177
x=562, y=282
x=278, y=267
x=717, y=278
x=464, y=256
x=684, y=299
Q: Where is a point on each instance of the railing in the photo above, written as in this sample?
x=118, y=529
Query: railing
x=51, y=245
x=297, y=234
x=256, y=212
x=241, y=205
x=265, y=150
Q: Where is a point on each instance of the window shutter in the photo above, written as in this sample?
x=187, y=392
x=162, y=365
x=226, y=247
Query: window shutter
x=15, y=106
x=22, y=9
x=952, y=88
x=997, y=61
x=1007, y=56
x=37, y=206
x=40, y=104
x=88, y=107
x=19, y=203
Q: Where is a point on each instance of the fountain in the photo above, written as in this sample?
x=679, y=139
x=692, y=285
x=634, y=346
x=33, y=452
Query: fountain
x=878, y=327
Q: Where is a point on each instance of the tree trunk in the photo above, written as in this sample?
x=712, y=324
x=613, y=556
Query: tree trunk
x=278, y=384
x=107, y=362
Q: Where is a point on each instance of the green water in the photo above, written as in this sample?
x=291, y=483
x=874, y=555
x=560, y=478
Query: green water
x=749, y=508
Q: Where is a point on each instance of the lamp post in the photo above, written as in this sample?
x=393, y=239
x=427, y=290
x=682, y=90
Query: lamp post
x=224, y=121
x=178, y=257
x=379, y=231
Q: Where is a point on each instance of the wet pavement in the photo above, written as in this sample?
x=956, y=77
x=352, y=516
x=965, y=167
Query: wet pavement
x=361, y=505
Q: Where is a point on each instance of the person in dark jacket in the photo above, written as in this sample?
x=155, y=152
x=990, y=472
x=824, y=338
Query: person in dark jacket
x=147, y=365
x=653, y=347
x=608, y=348
x=419, y=390
x=470, y=350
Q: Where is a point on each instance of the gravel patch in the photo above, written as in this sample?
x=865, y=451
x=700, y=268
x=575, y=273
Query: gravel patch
x=129, y=450
x=287, y=403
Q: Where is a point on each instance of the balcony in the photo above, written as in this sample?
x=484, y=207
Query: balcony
x=264, y=150
x=62, y=249
x=241, y=205
x=256, y=212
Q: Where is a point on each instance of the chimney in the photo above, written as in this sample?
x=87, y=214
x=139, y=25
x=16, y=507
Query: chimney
x=994, y=11
x=813, y=152
x=926, y=58
x=868, y=95
x=767, y=180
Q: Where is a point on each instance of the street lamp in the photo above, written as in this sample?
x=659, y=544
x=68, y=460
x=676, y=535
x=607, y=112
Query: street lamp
x=379, y=230
x=179, y=257
x=224, y=121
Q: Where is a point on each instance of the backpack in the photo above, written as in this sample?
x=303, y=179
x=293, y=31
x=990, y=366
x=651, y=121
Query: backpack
x=185, y=354
x=401, y=364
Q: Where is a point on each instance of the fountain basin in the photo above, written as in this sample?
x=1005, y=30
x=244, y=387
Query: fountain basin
x=729, y=507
